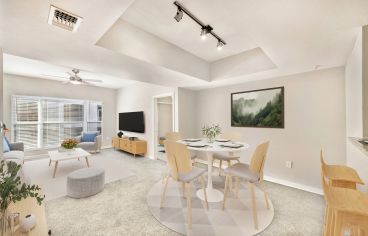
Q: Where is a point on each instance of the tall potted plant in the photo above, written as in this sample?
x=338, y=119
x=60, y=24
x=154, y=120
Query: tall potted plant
x=12, y=189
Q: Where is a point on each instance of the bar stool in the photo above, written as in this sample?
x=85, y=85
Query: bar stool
x=345, y=209
x=341, y=176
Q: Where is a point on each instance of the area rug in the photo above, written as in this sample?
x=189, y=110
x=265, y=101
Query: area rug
x=40, y=172
x=235, y=220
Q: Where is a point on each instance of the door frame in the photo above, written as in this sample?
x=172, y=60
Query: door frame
x=155, y=118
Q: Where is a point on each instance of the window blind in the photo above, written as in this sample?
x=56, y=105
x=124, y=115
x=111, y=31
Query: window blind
x=42, y=122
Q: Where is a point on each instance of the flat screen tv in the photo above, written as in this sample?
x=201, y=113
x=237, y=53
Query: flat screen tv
x=131, y=121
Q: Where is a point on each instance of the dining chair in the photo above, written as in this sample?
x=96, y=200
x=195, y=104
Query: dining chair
x=253, y=174
x=340, y=176
x=346, y=209
x=181, y=170
x=228, y=157
x=175, y=136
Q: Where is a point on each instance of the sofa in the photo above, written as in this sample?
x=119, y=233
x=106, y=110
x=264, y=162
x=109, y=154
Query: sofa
x=90, y=145
x=16, y=153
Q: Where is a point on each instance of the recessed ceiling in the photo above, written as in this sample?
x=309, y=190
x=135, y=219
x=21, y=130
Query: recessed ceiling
x=296, y=35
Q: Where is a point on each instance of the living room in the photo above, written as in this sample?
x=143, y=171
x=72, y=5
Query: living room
x=173, y=118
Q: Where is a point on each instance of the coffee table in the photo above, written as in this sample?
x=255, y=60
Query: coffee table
x=56, y=156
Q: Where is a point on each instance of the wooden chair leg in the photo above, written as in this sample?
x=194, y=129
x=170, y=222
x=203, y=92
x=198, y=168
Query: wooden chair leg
x=183, y=189
x=220, y=168
x=204, y=190
x=236, y=187
x=164, y=192
x=254, y=205
x=265, y=195
x=231, y=178
x=337, y=226
x=189, y=206
x=225, y=192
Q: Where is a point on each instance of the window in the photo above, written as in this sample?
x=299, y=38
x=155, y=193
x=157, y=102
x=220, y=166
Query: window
x=41, y=122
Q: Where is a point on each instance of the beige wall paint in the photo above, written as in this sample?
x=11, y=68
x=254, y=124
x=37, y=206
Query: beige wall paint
x=314, y=119
x=165, y=115
x=19, y=85
x=139, y=97
x=187, y=106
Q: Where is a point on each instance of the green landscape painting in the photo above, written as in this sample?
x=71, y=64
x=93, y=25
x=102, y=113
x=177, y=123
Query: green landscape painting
x=258, y=108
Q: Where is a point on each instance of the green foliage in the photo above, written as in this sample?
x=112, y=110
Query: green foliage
x=268, y=116
x=11, y=187
x=211, y=131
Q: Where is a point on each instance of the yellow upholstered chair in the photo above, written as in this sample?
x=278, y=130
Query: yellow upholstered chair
x=253, y=174
x=181, y=170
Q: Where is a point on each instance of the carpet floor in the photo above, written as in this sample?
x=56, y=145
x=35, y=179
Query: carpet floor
x=121, y=209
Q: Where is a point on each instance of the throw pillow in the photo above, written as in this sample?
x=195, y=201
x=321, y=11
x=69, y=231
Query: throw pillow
x=89, y=137
x=6, y=147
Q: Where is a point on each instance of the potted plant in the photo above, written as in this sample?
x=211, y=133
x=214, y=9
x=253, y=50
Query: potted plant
x=12, y=190
x=211, y=131
x=69, y=144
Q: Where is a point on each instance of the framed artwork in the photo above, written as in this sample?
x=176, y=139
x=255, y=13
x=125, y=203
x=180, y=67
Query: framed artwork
x=263, y=108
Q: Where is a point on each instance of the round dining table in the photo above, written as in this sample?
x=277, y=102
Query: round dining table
x=202, y=145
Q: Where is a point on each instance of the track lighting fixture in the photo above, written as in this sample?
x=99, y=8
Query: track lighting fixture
x=179, y=15
x=205, y=29
x=219, y=45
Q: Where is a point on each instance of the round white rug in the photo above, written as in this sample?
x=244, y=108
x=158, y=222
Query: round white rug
x=235, y=220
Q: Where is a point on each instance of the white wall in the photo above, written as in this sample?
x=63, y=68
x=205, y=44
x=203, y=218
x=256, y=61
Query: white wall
x=187, y=106
x=314, y=119
x=139, y=97
x=354, y=110
x=19, y=85
x=1, y=99
x=353, y=90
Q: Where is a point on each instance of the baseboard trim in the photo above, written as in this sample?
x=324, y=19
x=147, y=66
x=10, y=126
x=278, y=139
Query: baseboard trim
x=279, y=181
x=294, y=185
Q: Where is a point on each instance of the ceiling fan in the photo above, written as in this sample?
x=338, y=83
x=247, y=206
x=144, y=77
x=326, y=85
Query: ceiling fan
x=75, y=79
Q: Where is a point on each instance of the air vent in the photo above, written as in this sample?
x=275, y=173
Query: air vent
x=64, y=19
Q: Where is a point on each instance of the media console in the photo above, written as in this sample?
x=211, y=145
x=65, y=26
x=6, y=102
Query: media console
x=135, y=147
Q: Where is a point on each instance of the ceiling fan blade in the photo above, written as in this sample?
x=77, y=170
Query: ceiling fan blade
x=55, y=76
x=93, y=80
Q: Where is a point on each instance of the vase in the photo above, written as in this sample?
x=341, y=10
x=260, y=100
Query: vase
x=4, y=221
x=210, y=139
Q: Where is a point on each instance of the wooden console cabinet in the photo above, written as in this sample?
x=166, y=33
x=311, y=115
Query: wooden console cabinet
x=136, y=147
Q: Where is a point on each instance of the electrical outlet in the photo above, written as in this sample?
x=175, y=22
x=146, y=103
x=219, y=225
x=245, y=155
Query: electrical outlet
x=289, y=164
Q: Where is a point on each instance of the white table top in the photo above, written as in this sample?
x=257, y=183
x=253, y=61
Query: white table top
x=59, y=156
x=215, y=146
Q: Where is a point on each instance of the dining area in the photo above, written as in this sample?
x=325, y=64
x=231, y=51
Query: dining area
x=207, y=190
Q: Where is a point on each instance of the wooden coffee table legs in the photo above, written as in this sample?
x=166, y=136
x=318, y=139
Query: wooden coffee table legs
x=57, y=162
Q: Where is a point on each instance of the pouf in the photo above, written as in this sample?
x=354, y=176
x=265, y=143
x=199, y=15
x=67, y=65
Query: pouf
x=85, y=182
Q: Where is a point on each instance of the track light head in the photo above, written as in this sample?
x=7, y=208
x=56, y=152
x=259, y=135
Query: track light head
x=205, y=30
x=179, y=14
x=220, y=45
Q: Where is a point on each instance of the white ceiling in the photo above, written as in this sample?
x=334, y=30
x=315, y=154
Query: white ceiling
x=38, y=69
x=295, y=34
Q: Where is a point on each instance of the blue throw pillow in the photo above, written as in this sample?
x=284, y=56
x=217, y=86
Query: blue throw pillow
x=88, y=137
x=6, y=147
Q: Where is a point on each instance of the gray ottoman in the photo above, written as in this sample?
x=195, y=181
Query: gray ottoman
x=85, y=182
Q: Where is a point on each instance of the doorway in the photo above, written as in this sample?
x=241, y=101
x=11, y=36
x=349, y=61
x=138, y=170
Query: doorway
x=164, y=119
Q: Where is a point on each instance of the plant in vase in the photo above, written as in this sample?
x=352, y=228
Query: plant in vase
x=69, y=144
x=211, y=131
x=12, y=190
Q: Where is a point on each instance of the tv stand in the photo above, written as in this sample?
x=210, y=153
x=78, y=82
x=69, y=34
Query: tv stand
x=135, y=147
